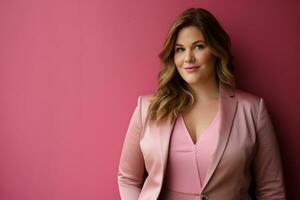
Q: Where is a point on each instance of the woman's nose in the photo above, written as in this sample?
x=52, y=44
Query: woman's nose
x=189, y=57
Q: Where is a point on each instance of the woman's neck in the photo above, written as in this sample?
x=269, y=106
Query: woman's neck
x=206, y=92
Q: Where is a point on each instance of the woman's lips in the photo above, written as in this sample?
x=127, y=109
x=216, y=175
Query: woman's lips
x=191, y=69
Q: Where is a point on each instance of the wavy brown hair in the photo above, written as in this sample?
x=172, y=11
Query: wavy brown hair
x=173, y=94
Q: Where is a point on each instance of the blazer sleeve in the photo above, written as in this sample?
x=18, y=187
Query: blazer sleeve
x=267, y=166
x=131, y=166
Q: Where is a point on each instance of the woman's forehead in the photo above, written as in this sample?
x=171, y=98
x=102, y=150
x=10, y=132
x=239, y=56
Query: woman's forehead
x=189, y=35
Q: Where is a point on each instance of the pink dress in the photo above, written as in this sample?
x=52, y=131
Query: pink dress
x=188, y=162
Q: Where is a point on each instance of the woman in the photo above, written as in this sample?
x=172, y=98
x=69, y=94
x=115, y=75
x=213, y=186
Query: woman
x=198, y=137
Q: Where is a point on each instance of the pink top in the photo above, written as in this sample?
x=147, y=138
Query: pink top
x=188, y=162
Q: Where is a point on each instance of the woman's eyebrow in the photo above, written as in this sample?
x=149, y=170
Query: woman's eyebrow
x=193, y=43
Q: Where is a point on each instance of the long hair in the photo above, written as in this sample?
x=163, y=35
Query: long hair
x=173, y=94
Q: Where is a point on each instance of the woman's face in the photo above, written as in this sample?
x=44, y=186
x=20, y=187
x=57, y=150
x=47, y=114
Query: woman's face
x=192, y=51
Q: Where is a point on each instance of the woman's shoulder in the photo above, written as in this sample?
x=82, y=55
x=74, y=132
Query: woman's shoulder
x=146, y=97
x=144, y=100
x=247, y=98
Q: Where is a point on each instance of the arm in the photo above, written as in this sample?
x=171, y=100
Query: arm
x=131, y=167
x=267, y=167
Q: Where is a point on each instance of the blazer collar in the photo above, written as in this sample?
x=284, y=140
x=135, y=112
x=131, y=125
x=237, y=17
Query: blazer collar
x=227, y=106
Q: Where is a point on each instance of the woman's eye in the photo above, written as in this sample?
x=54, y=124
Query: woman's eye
x=199, y=46
x=178, y=49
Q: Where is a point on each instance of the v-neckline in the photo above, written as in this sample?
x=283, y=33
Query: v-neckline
x=203, y=132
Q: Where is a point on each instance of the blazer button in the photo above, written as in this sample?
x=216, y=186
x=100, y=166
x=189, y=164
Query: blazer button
x=204, y=197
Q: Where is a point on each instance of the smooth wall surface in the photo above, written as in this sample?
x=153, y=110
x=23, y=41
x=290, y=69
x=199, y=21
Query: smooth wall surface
x=71, y=72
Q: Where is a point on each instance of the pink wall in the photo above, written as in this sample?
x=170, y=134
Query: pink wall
x=71, y=72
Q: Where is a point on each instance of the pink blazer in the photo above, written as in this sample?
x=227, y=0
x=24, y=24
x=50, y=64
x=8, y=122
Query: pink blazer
x=246, y=151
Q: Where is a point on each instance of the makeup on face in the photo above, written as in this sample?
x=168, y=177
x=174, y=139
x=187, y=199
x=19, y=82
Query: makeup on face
x=191, y=68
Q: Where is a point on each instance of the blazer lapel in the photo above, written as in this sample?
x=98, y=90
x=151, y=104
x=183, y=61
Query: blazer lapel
x=165, y=131
x=227, y=108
